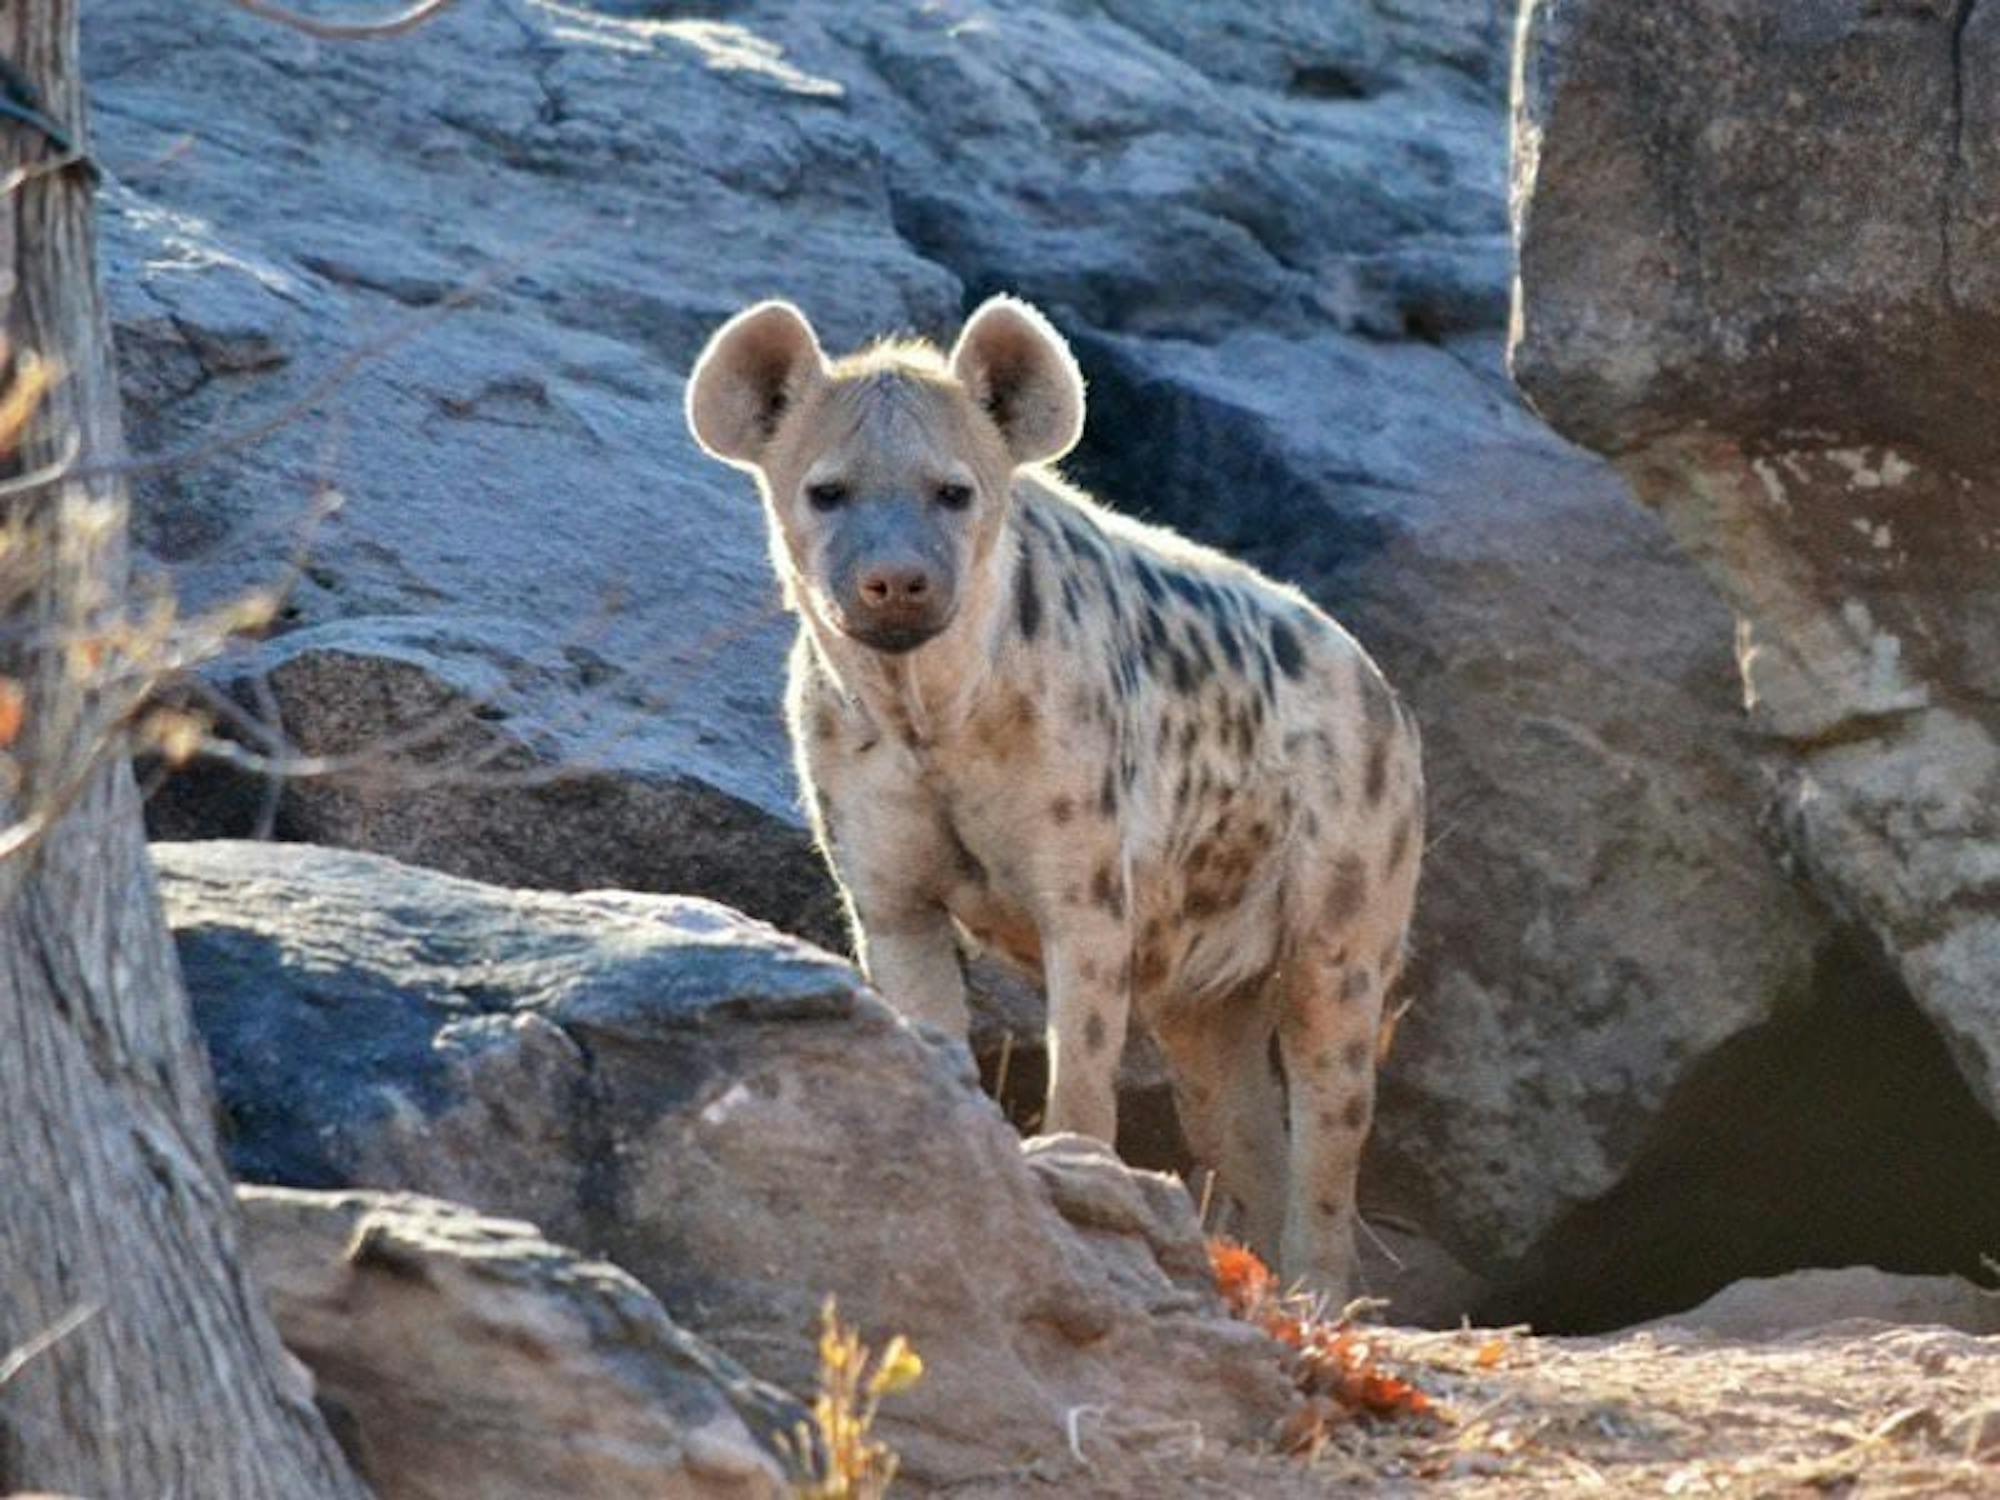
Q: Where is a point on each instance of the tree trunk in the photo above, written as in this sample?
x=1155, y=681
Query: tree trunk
x=113, y=1199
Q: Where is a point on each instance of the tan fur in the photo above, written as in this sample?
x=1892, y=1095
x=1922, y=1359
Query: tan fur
x=1153, y=776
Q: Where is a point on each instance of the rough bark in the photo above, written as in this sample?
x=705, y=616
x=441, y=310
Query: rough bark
x=115, y=1202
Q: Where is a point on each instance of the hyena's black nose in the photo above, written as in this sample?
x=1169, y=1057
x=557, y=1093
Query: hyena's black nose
x=897, y=588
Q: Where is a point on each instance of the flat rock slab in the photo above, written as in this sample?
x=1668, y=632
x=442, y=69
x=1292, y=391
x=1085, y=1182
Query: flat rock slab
x=724, y=1112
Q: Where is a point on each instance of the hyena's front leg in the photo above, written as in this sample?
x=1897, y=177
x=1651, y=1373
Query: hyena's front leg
x=1086, y=963
x=888, y=876
x=909, y=952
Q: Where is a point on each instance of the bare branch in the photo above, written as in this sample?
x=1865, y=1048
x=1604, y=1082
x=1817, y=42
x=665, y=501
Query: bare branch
x=347, y=31
x=19, y=1359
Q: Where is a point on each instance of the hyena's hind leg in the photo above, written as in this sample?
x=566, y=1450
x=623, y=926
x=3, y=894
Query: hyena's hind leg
x=1231, y=1101
x=1331, y=1016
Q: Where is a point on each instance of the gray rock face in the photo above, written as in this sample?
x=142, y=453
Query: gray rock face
x=720, y=1110
x=1797, y=368
x=464, y=1355
x=1277, y=236
x=1774, y=1306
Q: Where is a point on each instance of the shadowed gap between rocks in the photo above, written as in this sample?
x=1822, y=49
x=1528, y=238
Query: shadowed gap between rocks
x=1839, y=1135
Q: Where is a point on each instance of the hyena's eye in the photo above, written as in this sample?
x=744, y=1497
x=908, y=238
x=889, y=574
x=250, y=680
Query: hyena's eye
x=954, y=496
x=826, y=496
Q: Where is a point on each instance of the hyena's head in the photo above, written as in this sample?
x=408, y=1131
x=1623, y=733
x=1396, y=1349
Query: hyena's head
x=887, y=475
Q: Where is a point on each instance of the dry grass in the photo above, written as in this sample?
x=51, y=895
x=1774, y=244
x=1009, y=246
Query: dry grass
x=852, y=1463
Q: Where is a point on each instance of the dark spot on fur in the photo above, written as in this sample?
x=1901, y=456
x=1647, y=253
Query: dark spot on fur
x=1355, y=1055
x=1327, y=1206
x=1285, y=647
x=1184, y=678
x=1107, y=794
x=1312, y=824
x=1149, y=967
x=1182, y=788
x=1375, y=780
x=1027, y=595
x=1197, y=648
x=1323, y=1062
x=1084, y=545
x=964, y=860
x=1355, y=1114
x=1356, y=985
x=1062, y=809
x=1072, y=598
x=1148, y=579
x=1350, y=889
x=824, y=727
x=1104, y=889
x=1225, y=637
x=1094, y=1032
x=1186, y=587
x=1190, y=732
x=1399, y=844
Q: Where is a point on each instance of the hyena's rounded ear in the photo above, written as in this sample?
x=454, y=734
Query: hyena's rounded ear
x=755, y=369
x=1016, y=366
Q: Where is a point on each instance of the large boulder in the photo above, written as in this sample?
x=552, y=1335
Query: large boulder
x=723, y=1112
x=1757, y=248
x=464, y=1355
x=1277, y=235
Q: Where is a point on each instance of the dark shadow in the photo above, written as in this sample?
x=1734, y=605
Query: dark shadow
x=1841, y=1135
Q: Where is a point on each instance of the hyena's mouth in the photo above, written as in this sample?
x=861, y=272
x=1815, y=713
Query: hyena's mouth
x=893, y=640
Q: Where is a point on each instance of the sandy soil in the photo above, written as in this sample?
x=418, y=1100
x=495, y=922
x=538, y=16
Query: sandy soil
x=1855, y=1409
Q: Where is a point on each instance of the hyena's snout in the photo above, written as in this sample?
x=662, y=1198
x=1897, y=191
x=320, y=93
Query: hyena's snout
x=896, y=586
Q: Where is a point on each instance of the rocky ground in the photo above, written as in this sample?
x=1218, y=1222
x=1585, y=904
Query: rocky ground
x=1856, y=1410
x=728, y=1127
x=468, y=269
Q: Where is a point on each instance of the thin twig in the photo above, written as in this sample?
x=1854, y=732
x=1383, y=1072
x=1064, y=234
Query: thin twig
x=41, y=1343
x=347, y=31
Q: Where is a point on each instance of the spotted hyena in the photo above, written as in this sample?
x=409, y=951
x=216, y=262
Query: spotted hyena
x=1133, y=765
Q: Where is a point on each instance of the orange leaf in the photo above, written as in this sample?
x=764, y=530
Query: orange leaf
x=13, y=710
x=1244, y=1281
x=1491, y=1353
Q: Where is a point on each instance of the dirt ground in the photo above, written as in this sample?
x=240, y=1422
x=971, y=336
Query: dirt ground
x=1851, y=1410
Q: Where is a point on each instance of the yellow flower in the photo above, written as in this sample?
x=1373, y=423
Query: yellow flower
x=901, y=1368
